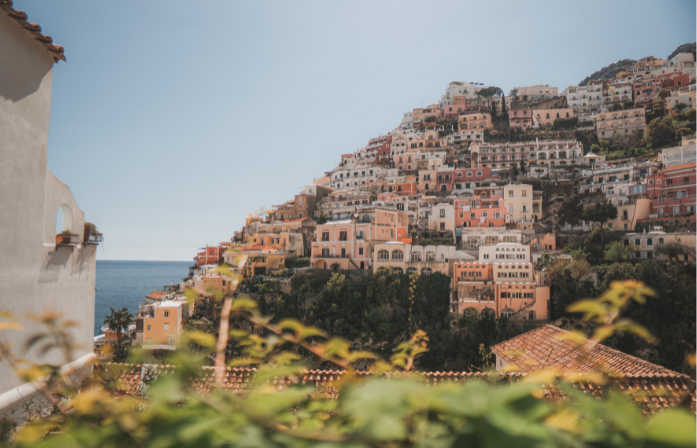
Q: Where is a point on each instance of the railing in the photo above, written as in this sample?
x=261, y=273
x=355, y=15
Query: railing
x=93, y=238
x=330, y=256
x=65, y=239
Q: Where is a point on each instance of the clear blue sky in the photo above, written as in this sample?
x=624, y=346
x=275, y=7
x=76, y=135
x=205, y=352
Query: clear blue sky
x=172, y=120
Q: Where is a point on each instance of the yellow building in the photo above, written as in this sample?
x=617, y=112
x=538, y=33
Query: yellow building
x=162, y=324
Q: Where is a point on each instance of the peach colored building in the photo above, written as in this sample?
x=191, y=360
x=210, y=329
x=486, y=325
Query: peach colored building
x=420, y=114
x=349, y=242
x=548, y=241
x=472, y=126
x=500, y=290
x=546, y=117
x=163, y=325
x=520, y=118
x=427, y=181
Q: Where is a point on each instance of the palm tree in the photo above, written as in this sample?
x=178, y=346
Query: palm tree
x=117, y=321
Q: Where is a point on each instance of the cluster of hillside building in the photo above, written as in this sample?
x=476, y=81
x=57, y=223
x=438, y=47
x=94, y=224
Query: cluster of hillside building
x=434, y=196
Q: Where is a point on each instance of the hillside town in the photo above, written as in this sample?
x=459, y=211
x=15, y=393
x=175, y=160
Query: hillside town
x=475, y=186
x=436, y=286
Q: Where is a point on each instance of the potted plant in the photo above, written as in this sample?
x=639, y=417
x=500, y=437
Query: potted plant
x=63, y=237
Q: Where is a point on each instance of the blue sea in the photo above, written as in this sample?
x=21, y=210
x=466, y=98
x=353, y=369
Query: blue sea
x=125, y=283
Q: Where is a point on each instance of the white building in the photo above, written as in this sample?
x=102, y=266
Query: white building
x=39, y=271
x=505, y=253
x=527, y=93
x=678, y=155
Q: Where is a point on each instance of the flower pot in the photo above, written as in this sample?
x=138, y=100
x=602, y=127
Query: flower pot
x=60, y=239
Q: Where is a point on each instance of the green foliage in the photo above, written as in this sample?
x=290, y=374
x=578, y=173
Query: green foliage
x=297, y=262
x=661, y=132
x=609, y=71
x=566, y=123
x=684, y=48
x=617, y=252
x=119, y=321
x=372, y=410
x=571, y=211
x=600, y=213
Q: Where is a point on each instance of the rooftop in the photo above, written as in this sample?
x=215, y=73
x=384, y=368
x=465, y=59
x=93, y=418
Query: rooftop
x=543, y=348
x=21, y=18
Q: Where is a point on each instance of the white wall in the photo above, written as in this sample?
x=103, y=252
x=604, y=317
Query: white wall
x=36, y=276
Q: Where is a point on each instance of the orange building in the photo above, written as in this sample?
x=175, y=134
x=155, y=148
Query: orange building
x=162, y=324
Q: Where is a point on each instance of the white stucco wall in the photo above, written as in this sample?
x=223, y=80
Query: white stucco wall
x=35, y=276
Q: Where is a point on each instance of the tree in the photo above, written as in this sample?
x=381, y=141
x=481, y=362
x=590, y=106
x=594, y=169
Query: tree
x=628, y=104
x=617, y=251
x=118, y=321
x=600, y=213
x=503, y=104
x=616, y=107
x=323, y=218
x=663, y=94
x=671, y=249
x=488, y=94
x=523, y=168
x=660, y=131
x=679, y=107
x=571, y=211
x=619, y=271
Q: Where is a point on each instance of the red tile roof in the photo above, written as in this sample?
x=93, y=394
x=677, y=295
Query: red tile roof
x=651, y=392
x=680, y=167
x=157, y=294
x=295, y=220
x=21, y=18
x=544, y=348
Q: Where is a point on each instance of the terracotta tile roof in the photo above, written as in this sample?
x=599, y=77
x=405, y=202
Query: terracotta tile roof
x=680, y=167
x=21, y=18
x=543, y=348
x=267, y=248
x=295, y=220
x=157, y=294
x=652, y=393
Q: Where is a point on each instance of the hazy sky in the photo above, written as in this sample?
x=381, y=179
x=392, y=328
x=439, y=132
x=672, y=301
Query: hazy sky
x=172, y=120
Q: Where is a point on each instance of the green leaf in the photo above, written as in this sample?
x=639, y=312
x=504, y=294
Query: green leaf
x=673, y=427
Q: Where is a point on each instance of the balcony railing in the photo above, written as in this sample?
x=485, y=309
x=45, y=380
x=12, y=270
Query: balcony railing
x=330, y=256
x=93, y=238
x=67, y=239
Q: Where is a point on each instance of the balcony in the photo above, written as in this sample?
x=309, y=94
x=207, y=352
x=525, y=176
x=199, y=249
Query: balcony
x=330, y=256
x=67, y=240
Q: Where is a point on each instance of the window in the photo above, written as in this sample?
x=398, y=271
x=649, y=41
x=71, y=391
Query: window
x=165, y=313
x=525, y=193
x=397, y=255
x=325, y=236
x=360, y=251
x=342, y=235
x=149, y=327
x=166, y=326
x=442, y=213
x=325, y=252
x=442, y=226
x=383, y=255
x=507, y=313
x=649, y=242
x=510, y=193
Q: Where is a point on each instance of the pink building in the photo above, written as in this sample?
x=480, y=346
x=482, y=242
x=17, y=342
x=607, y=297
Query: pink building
x=672, y=191
x=484, y=209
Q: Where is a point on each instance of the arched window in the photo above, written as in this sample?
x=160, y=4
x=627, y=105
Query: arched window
x=416, y=256
x=469, y=173
x=411, y=271
x=459, y=174
x=383, y=255
x=649, y=242
x=426, y=271
x=626, y=242
x=397, y=255
x=397, y=270
x=531, y=315
x=488, y=313
x=479, y=173
x=637, y=242
x=507, y=313
x=660, y=241
x=430, y=256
